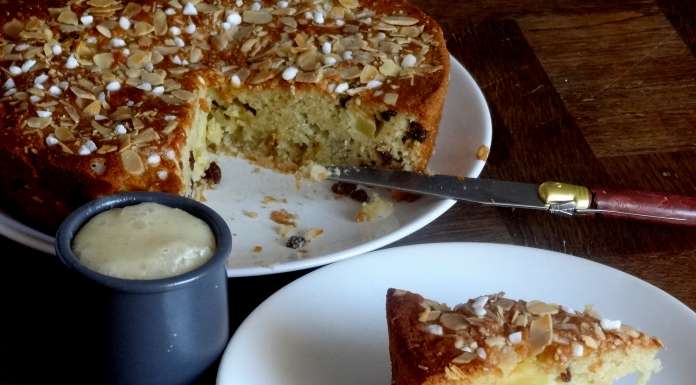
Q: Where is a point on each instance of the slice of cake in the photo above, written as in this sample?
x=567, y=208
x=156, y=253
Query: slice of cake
x=493, y=340
x=103, y=96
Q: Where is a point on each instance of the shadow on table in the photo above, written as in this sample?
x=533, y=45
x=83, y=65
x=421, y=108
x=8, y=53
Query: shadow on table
x=47, y=332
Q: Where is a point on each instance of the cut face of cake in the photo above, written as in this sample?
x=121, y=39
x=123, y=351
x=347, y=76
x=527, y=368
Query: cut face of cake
x=104, y=96
x=492, y=340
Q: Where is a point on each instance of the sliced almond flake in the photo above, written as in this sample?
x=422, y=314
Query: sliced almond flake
x=36, y=122
x=160, y=23
x=309, y=60
x=464, y=358
x=391, y=98
x=170, y=127
x=121, y=113
x=412, y=31
x=142, y=28
x=131, y=162
x=153, y=78
x=80, y=93
x=139, y=58
x=309, y=77
x=183, y=95
x=171, y=85
x=541, y=308
x=350, y=73
x=540, y=334
x=257, y=17
x=146, y=136
x=104, y=30
x=350, y=4
x=453, y=321
x=13, y=27
x=400, y=20
x=107, y=148
x=156, y=57
x=93, y=108
x=124, y=142
x=195, y=55
x=131, y=10
x=262, y=77
x=495, y=341
x=369, y=72
x=590, y=342
x=389, y=68
x=103, y=60
x=64, y=134
x=289, y=21
x=101, y=129
x=67, y=17
x=65, y=148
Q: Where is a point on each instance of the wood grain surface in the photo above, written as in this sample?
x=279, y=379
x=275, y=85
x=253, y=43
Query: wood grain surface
x=595, y=92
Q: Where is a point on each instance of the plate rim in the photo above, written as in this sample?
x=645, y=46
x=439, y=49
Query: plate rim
x=248, y=322
x=17, y=231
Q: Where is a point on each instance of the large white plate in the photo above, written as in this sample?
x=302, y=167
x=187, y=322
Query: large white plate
x=329, y=327
x=465, y=126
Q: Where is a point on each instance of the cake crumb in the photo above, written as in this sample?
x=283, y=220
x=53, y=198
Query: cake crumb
x=257, y=249
x=284, y=230
x=271, y=199
x=375, y=209
x=283, y=217
x=482, y=152
x=250, y=214
x=314, y=233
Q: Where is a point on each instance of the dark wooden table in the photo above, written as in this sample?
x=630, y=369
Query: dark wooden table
x=594, y=92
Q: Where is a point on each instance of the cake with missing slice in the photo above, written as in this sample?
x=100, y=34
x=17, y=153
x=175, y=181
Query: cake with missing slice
x=104, y=96
x=492, y=340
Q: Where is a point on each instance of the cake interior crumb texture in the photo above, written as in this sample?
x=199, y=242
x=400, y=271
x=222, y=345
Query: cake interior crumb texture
x=492, y=340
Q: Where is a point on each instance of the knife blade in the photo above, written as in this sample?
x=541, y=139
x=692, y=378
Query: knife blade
x=553, y=197
x=475, y=190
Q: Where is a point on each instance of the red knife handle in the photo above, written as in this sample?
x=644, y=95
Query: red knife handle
x=647, y=206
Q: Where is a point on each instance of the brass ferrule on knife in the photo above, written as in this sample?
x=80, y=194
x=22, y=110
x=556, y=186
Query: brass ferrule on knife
x=565, y=198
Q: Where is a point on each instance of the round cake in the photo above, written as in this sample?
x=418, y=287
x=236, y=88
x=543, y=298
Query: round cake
x=103, y=96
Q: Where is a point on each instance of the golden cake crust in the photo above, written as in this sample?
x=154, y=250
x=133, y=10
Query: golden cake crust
x=60, y=145
x=430, y=342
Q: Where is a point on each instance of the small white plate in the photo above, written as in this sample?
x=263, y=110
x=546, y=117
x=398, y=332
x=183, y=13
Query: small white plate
x=329, y=327
x=465, y=126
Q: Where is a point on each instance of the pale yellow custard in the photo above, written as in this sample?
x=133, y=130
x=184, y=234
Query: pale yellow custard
x=144, y=241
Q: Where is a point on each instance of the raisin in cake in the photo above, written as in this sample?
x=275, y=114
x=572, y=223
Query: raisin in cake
x=493, y=340
x=102, y=96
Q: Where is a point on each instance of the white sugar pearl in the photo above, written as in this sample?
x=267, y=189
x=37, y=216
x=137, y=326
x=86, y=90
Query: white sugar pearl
x=15, y=70
x=176, y=60
x=27, y=66
x=113, y=86
x=87, y=19
x=175, y=31
x=381, y=36
x=481, y=352
x=56, y=49
x=145, y=86
x=9, y=92
x=32, y=98
x=22, y=47
x=372, y=84
x=329, y=60
x=481, y=301
x=340, y=22
x=126, y=51
x=347, y=55
x=341, y=88
x=170, y=11
x=308, y=15
x=162, y=174
x=409, y=61
x=159, y=90
x=170, y=154
x=99, y=117
x=578, y=349
x=190, y=10
x=120, y=129
x=236, y=81
x=515, y=338
x=71, y=63
x=239, y=3
x=282, y=4
x=226, y=25
x=124, y=23
x=234, y=19
x=326, y=48
x=51, y=140
x=318, y=17
x=83, y=150
x=434, y=329
x=169, y=118
x=43, y=114
x=153, y=159
x=179, y=42
x=117, y=42
x=290, y=73
x=256, y=6
x=91, y=146
x=55, y=90
x=9, y=83
x=608, y=324
x=190, y=29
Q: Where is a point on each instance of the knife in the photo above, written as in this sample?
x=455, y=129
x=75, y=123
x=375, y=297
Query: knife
x=553, y=197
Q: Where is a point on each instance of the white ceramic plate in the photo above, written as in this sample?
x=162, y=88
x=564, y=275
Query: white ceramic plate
x=329, y=327
x=465, y=126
